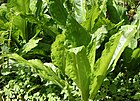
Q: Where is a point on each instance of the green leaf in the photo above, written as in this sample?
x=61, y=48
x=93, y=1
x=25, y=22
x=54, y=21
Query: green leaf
x=58, y=52
x=73, y=37
x=97, y=38
x=136, y=54
x=80, y=10
x=128, y=33
x=30, y=45
x=110, y=55
x=103, y=7
x=103, y=21
x=101, y=66
x=39, y=7
x=99, y=35
x=133, y=43
x=135, y=57
x=78, y=69
x=2, y=40
x=20, y=6
x=20, y=23
x=115, y=12
x=112, y=12
x=44, y=71
x=76, y=35
x=58, y=11
x=137, y=96
x=127, y=55
x=92, y=15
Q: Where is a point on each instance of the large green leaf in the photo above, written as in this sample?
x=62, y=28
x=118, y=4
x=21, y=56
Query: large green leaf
x=92, y=15
x=128, y=33
x=20, y=6
x=80, y=10
x=44, y=24
x=115, y=12
x=96, y=40
x=58, y=11
x=76, y=35
x=101, y=66
x=44, y=71
x=110, y=55
x=58, y=52
x=21, y=25
x=78, y=69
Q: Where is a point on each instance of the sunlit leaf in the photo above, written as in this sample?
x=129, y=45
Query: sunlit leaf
x=30, y=45
x=58, y=52
x=44, y=71
x=80, y=10
x=78, y=69
x=110, y=55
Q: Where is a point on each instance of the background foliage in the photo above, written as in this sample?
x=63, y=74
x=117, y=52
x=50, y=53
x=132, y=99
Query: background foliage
x=37, y=36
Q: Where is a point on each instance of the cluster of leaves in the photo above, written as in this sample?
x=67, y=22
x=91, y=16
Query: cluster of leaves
x=26, y=29
x=123, y=82
x=63, y=50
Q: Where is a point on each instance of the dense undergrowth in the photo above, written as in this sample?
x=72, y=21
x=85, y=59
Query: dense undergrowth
x=69, y=50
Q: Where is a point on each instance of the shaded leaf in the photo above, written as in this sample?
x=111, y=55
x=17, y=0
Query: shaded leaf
x=76, y=35
x=58, y=11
